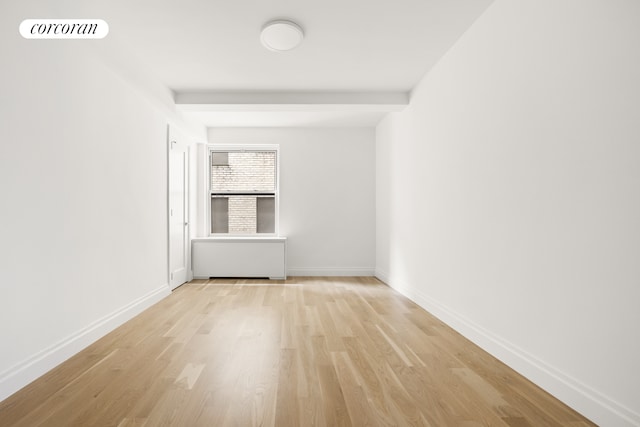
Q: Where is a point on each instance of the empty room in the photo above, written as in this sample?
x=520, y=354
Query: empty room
x=320, y=213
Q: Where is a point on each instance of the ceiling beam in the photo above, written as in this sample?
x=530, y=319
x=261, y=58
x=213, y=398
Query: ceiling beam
x=292, y=101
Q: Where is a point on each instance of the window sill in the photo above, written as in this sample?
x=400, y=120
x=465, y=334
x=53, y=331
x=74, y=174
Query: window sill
x=236, y=239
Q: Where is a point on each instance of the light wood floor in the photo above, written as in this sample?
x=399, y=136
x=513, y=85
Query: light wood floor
x=305, y=352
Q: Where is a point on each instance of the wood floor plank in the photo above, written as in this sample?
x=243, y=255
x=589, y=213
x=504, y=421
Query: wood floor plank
x=314, y=351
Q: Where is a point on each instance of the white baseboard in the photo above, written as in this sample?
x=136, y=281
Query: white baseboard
x=331, y=271
x=382, y=276
x=40, y=363
x=592, y=404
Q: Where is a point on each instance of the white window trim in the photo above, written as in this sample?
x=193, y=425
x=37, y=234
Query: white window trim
x=240, y=148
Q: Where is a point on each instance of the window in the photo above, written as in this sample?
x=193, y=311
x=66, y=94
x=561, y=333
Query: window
x=244, y=190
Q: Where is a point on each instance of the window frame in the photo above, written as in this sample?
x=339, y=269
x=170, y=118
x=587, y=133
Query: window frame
x=243, y=148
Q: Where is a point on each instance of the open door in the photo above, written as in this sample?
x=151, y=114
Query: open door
x=178, y=157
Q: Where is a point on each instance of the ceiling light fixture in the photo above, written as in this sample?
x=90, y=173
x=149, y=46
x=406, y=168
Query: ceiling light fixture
x=281, y=35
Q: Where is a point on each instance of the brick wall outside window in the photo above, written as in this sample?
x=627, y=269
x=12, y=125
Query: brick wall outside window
x=252, y=171
x=246, y=171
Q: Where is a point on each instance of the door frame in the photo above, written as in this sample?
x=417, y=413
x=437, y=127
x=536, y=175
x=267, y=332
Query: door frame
x=173, y=137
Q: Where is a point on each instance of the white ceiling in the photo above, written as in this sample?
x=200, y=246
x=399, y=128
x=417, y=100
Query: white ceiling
x=350, y=45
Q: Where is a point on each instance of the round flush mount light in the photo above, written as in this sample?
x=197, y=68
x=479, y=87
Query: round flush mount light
x=281, y=35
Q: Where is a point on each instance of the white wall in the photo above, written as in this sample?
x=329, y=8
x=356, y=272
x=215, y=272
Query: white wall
x=508, y=196
x=83, y=183
x=327, y=195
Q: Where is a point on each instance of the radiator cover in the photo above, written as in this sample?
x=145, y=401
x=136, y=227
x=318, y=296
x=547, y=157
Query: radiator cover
x=239, y=257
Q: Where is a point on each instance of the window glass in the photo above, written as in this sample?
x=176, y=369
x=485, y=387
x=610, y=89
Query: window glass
x=243, y=192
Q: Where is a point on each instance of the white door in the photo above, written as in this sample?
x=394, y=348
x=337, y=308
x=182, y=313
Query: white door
x=178, y=212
